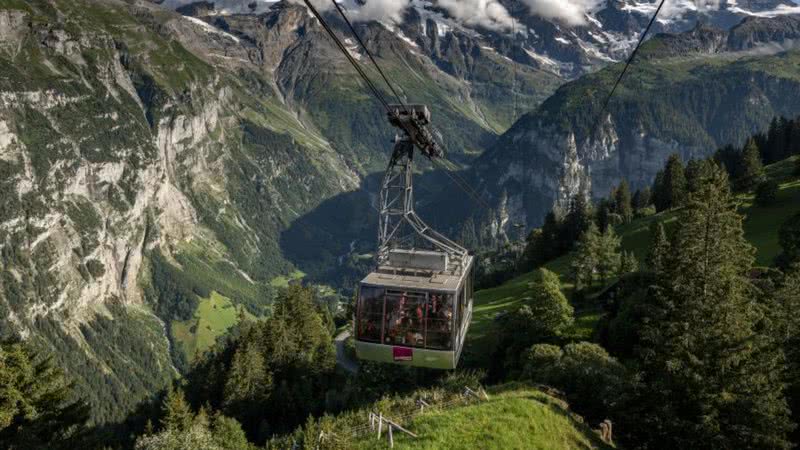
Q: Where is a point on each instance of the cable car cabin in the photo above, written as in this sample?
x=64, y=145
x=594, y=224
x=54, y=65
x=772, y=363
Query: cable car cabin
x=417, y=317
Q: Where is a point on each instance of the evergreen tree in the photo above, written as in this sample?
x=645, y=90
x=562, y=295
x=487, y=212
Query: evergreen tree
x=659, y=248
x=712, y=375
x=532, y=256
x=794, y=137
x=696, y=171
x=777, y=142
x=248, y=384
x=545, y=244
x=177, y=414
x=38, y=408
x=604, y=213
x=622, y=202
x=787, y=308
x=586, y=260
x=752, y=169
x=576, y=222
x=660, y=195
x=729, y=157
x=550, y=306
x=642, y=199
x=789, y=239
x=628, y=263
x=767, y=193
x=544, y=316
x=675, y=185
x=608, y=255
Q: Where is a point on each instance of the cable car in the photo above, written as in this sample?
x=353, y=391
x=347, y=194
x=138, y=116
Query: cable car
x=415, y=307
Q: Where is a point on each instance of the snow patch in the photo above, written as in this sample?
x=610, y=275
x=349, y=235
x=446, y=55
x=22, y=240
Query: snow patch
x=211, y=29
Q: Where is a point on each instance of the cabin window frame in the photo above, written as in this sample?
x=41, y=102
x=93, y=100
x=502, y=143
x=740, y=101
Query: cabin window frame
x=447, y=298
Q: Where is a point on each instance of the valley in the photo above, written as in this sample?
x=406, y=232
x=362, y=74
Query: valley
x=188, y=190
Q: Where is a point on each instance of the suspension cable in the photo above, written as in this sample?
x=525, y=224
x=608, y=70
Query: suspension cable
x=349, y=57
x=461, y=183
x=624, y=70
x=514, y=63
x=369, y=54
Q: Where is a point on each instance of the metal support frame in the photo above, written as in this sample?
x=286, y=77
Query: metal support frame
x=399, y=226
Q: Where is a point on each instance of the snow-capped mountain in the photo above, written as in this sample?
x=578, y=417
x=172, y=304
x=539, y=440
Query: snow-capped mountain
x=568, y=38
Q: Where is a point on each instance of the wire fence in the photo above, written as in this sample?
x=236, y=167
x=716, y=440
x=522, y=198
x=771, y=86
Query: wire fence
x=467, y=397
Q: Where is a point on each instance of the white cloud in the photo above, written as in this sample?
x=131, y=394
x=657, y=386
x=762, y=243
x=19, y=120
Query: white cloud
x=487, y=13
x=383, y=10
x=570, y=12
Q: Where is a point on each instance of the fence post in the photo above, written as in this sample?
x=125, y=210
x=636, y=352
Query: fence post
x=391, y=438
x=380, y=424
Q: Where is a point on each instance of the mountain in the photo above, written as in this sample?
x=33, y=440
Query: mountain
x=163, y=172
x=151, y=161
x=689, y=93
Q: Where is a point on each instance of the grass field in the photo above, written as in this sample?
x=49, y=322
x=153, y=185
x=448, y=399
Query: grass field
x=514, y=417
x=213, y=318
x=761, y=229
x=283, y=281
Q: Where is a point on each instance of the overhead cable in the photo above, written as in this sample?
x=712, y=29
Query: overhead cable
x=369, y=54
x=347, y=54
x=625, y=69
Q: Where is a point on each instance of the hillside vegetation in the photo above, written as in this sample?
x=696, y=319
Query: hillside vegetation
x=515, y=416
x=761, y=230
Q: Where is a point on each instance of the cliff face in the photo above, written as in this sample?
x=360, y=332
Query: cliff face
x=118, y=145
x=688, y=94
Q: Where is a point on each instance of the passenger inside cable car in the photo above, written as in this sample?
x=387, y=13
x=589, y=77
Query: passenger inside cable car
x=411, y=319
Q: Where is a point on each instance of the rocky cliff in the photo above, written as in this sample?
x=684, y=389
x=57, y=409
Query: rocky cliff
x=688, y=94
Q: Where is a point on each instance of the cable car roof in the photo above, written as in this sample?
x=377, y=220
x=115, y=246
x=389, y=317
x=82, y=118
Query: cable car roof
x=391, y=277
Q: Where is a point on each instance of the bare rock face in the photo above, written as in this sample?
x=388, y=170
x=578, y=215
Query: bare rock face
x=14, y=27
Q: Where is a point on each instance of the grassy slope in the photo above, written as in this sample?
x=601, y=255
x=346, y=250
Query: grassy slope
x=761, y=226
x=514, y=417
x=213, y=318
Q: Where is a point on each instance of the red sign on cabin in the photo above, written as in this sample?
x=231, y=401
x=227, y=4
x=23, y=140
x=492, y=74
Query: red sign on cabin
x=403, y=353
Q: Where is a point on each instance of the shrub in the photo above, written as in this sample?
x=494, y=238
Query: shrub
x=591, y=379
x=767, y=193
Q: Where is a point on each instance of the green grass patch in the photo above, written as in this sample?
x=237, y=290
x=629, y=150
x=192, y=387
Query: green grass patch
x=514, y=417
x=213, y=318
x=284, y=280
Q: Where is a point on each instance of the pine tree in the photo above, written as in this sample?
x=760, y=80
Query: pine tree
x=696, y=171
x=576, y=222
x=549, y=305
x=789, y=239
x=248, y=383
x=608, y=256
x=642, y=199
x=752, y=169
x=787, y=315
x=660, y=248
x=713, y=378
x=622, y=202
x=585, y=262
x=604, y=212
x=628, y=264
x=177, y=414
x=660, y=196
x=675, y=185
x=38, y=408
